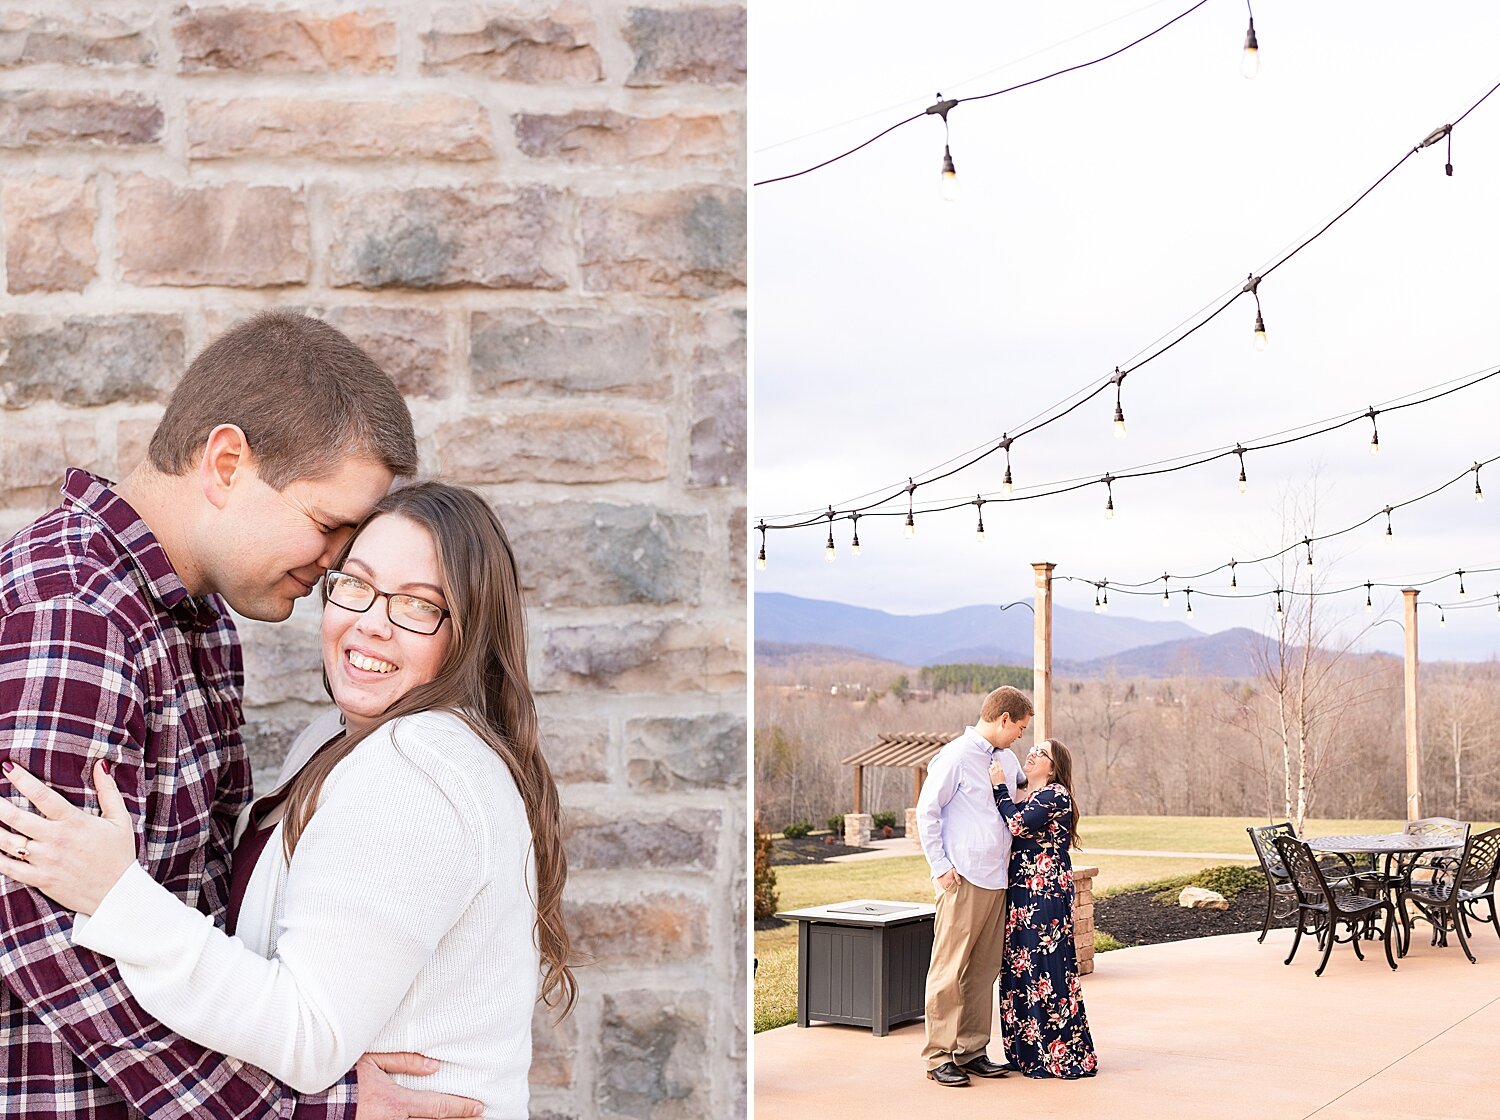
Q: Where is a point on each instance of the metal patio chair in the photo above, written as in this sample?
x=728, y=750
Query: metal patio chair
x=1477, y=883
x=1433, y=886
x=1322, y=907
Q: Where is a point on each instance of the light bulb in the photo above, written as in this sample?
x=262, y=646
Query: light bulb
x=1369, y=606
x=979, y=533
x=911, y=527
x=1260, y=332
x=1250, y=61
x=1389, y=536
x=1442, y=620
x=1009, y=487
x=1109, y=509
x=854, y=544
x=1097, y=608
x=1478, y=493
x=828, y=551
x=1104, y=604
x=1375, y=444
x=1190, y=606
x=1244, y=482
x=760, y=561
x=950, y=177
x=1119, y=422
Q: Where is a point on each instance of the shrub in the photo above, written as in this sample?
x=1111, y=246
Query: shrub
x=836, y=823
x=1228, y=880
x=1103, y=942
x=883, y=820
x=765, y=877
x=797, y=830
x=887, y=831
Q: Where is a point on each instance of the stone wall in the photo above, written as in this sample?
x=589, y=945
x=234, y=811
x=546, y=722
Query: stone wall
x=1083, y=917
x=533, y=215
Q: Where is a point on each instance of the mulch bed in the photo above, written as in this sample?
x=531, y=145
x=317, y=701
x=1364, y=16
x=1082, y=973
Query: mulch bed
x=1136, y=918
x=815, y=848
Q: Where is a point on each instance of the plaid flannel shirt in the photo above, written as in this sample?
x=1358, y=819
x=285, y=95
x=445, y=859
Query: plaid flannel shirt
x=103, y=653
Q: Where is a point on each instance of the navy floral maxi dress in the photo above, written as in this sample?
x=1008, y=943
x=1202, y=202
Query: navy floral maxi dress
x=1041, y=1004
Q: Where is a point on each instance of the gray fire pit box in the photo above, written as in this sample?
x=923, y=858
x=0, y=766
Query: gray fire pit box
x=862, y=962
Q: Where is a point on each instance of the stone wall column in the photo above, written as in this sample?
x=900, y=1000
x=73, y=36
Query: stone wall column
x=1083, y=917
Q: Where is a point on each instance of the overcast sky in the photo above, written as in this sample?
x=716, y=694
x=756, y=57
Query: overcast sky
x=1100, y=210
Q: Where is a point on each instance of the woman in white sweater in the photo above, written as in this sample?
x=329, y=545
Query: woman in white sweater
x=401, y=889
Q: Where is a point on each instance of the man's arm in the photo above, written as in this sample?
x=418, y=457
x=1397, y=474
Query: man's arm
x=937, y=791
x=70, y=693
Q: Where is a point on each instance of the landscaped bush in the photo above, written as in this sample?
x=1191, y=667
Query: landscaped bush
x=1229, y=881
x=836, y=823
x=883, y=820
x=797, y=830
x=765, y=878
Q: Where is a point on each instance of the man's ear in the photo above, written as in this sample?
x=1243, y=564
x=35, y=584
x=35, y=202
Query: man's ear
x=226, y=457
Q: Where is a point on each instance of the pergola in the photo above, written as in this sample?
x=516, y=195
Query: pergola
x=912, y=750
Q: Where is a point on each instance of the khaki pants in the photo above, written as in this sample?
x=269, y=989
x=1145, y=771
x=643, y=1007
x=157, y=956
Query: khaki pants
x=968, y=947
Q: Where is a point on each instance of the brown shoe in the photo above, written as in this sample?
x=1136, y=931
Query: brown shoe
x=983, y=1067
x=948, y=1074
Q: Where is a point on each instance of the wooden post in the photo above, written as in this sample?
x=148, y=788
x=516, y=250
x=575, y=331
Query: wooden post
x=918, y=775
x=1413, y=743
x=1041, y=724
x=859, y=789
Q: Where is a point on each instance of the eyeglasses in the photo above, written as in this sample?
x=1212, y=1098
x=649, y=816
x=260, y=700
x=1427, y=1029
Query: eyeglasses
x=1039, y=751
x=406, y=611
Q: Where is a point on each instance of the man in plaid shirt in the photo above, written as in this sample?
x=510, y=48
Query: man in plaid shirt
x=116, y=643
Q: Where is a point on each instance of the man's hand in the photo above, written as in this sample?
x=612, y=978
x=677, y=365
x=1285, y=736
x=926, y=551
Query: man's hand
x=948, y=879
x=380, y=1098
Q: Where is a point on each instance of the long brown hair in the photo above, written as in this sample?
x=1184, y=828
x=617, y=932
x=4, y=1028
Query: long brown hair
x=1062, y=774
x=483, y=681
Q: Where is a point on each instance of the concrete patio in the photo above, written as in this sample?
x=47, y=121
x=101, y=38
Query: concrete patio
x=1215, y=1027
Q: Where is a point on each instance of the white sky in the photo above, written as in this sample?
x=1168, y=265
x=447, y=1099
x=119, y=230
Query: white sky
x=893, y=331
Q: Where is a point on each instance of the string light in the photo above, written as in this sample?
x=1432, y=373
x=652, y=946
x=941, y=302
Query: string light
x=854, y=544
x=1252, y=285
x=1109, y=504
x=1233, y=581
x=1478, y=493
x=1390, y=539
x=1165, y=594
x=1442, y=616
x=1189, y=594
x=950, y=173
x=1244, y=482
x=1097, y=608
x=1005, y=442
x=979, y=503
x=1250, y=60
x=1308, y=542
x=1279, y=612
x=911, y=523
x=760, y=561
x=1462, y=594
x=1374, y=430
x=1104, y=602
x=828, y=550
x=1446, y=131
x=1119, y=379
x=1369, y=605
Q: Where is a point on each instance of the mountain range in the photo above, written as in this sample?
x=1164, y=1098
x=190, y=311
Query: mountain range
x=1084, y=643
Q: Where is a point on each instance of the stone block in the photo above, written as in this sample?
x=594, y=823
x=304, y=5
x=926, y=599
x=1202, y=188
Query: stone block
x=233, y=235
x=554, y=1046
x=262, y=41
x=514, y=46
x=49, y=234
x=651, y=1056
x=857, y=827
x=688, y=242
x=648, y=930
x=575, y=445
x=283, y=660
x=739, y=530
x=267, y=738
x=89, y=360
x=35, y=454
x=718, y=438
x=564, y=351
x=705, y=46
x=409, y=343
x=686, y=752
x=911, y=822
x=28, y=39
x=579, y=554
x=440, y=237
x=653, y=656
x=577, y=750
x=606, y=138
x=631, y=839
x=132, y=439
x=436, y=126
x=54, y=118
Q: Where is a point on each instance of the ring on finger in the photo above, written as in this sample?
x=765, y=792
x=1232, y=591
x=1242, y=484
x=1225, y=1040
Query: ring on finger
x=21, y=852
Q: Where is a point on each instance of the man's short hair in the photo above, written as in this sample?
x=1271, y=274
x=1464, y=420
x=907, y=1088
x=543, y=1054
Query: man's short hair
x=1006, y=701
x=306, y=397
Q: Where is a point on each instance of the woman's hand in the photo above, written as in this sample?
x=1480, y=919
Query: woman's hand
x=72, y=857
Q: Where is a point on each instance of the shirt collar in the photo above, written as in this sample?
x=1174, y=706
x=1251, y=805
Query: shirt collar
x=978, y=740
x=95, y=497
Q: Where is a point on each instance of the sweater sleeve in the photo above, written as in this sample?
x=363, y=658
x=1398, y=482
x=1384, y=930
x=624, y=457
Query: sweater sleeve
x=386, y=865
x=1030, y=819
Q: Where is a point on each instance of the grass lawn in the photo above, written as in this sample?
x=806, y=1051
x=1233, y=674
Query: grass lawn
x=905, y=879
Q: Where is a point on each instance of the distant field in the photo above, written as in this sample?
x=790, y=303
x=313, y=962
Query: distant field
x=905, y=879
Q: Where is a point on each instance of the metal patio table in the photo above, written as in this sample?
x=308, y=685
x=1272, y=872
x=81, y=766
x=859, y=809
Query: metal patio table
x=863, y=962
x=1391, y=845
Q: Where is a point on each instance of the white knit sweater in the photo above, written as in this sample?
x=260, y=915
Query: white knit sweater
x=405, y=922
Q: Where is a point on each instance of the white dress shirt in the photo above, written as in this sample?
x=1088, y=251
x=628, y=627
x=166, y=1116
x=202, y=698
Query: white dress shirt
x=956, y=816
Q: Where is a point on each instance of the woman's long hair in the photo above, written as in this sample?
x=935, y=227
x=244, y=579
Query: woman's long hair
x=1062, y=774
x=483, y=681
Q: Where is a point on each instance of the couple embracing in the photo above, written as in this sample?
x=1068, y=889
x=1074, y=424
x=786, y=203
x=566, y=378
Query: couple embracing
x=997, y=835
